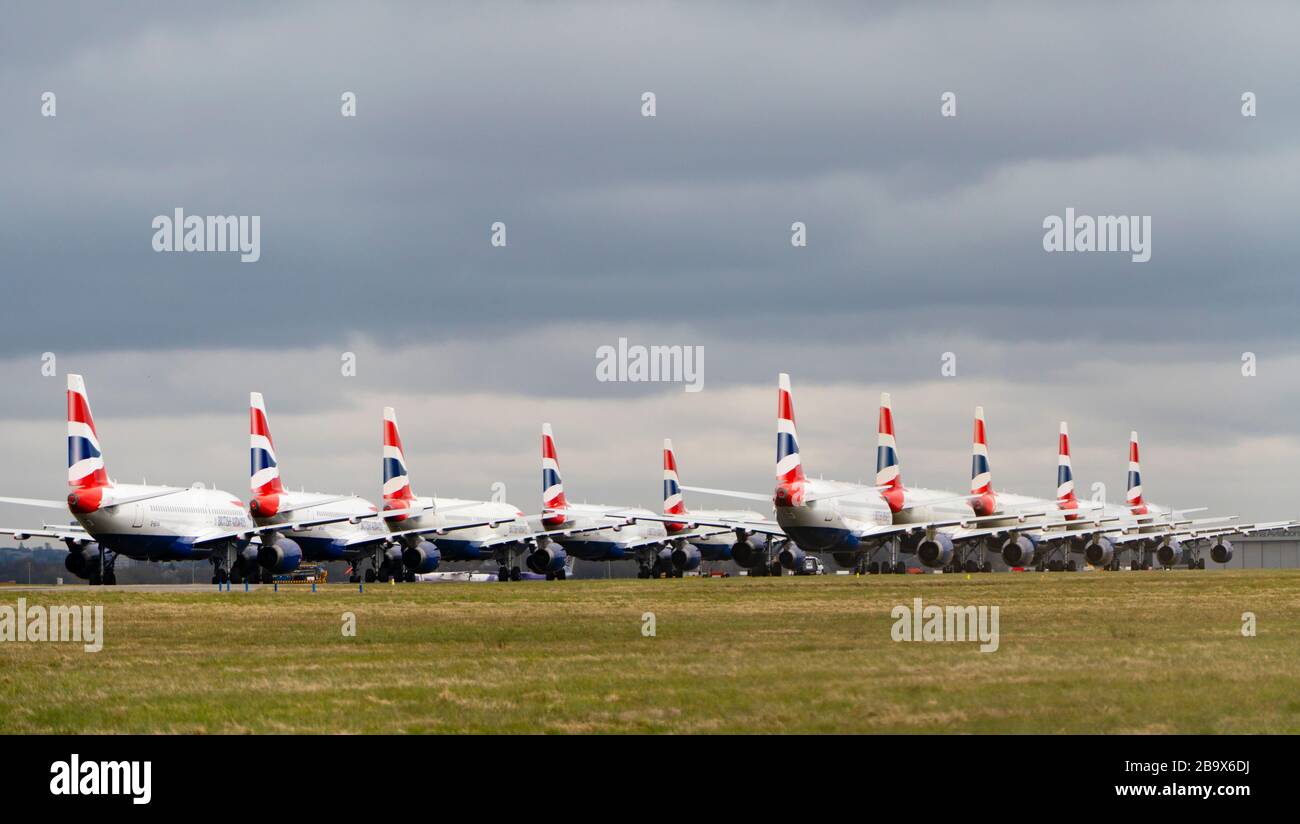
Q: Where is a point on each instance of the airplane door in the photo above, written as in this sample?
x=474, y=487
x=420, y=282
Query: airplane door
x=138, y=521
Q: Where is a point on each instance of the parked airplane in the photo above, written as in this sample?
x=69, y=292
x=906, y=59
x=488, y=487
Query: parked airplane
x=850, y=521
x=593, y=533
x=362, y=536
x=1099, y=531
x=693, y=543
x=853, y=521
x=154, y=523
x=462, y=530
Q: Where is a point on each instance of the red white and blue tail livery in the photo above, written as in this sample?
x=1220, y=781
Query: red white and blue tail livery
x=552, y=484
x=1065, y=497
x=264, y=470
x=85, y=458
x=1133, y=497
x=397, y=484
x=673, y=503
x=789, y=466
x=983, y=498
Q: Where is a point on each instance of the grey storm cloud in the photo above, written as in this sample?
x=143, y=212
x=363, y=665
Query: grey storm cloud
x=529, y=114
x=925, y=237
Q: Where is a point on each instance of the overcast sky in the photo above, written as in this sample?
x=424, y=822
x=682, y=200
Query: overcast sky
x=924, y=237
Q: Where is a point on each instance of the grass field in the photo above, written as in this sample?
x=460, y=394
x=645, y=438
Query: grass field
x=1118, y=652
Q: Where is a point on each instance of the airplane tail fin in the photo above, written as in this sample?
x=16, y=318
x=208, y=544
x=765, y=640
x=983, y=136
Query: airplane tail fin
x=397, y=484
x=984, y=501
x=789, y=468
x=1133, y=498
x=263, y=470
x=552, y=483
x=673, y=503
x=1065, y=497
x=85, y=459
x=889, y=473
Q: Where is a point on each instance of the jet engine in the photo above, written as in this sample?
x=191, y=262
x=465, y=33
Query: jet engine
x=1221, y=552
x=421, y=558
x=686, y=556
x=935, y=551
x=792, y=557
x=84, y=562
x=748, y=552
x=280, y=557
x=249, y=557
x=549, y=558
x=1100, y=551
x=1020, y=551
x=1169, y=553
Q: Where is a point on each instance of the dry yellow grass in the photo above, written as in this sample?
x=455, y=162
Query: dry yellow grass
x=1121, y=652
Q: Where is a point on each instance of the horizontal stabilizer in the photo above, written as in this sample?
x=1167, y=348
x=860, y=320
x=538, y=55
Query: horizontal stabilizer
x=730, y=493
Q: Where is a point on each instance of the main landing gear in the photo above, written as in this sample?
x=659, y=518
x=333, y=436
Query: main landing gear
x=220, y=574
x=104, y=574
x=514, y=573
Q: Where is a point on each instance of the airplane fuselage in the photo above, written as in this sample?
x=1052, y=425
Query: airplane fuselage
x=623, y=542
x=328, y=542
x=472, y=544
x=165, y=528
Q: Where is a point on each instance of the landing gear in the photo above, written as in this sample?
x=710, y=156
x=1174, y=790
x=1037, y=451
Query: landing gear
x=1072, y=566
x=642, y=571
x=987, y=566
x=220, y=570
x=971, y=566
x=900, y=568
x=101, y=572
x=503, y=573
x=516, y=574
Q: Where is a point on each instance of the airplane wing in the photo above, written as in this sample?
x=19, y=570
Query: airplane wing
x=443, y=530
x=767, y=497
x=63, y=504
x=762, y=527
x=57, y=533
x=257, y=531
x=41, y=502
x=323, y=502
x=644, y=542
x=730, y=493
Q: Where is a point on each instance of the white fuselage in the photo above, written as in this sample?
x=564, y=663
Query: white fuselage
x=617, y=543
x=163, y=528
x=332, y=541
x=463, y=544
